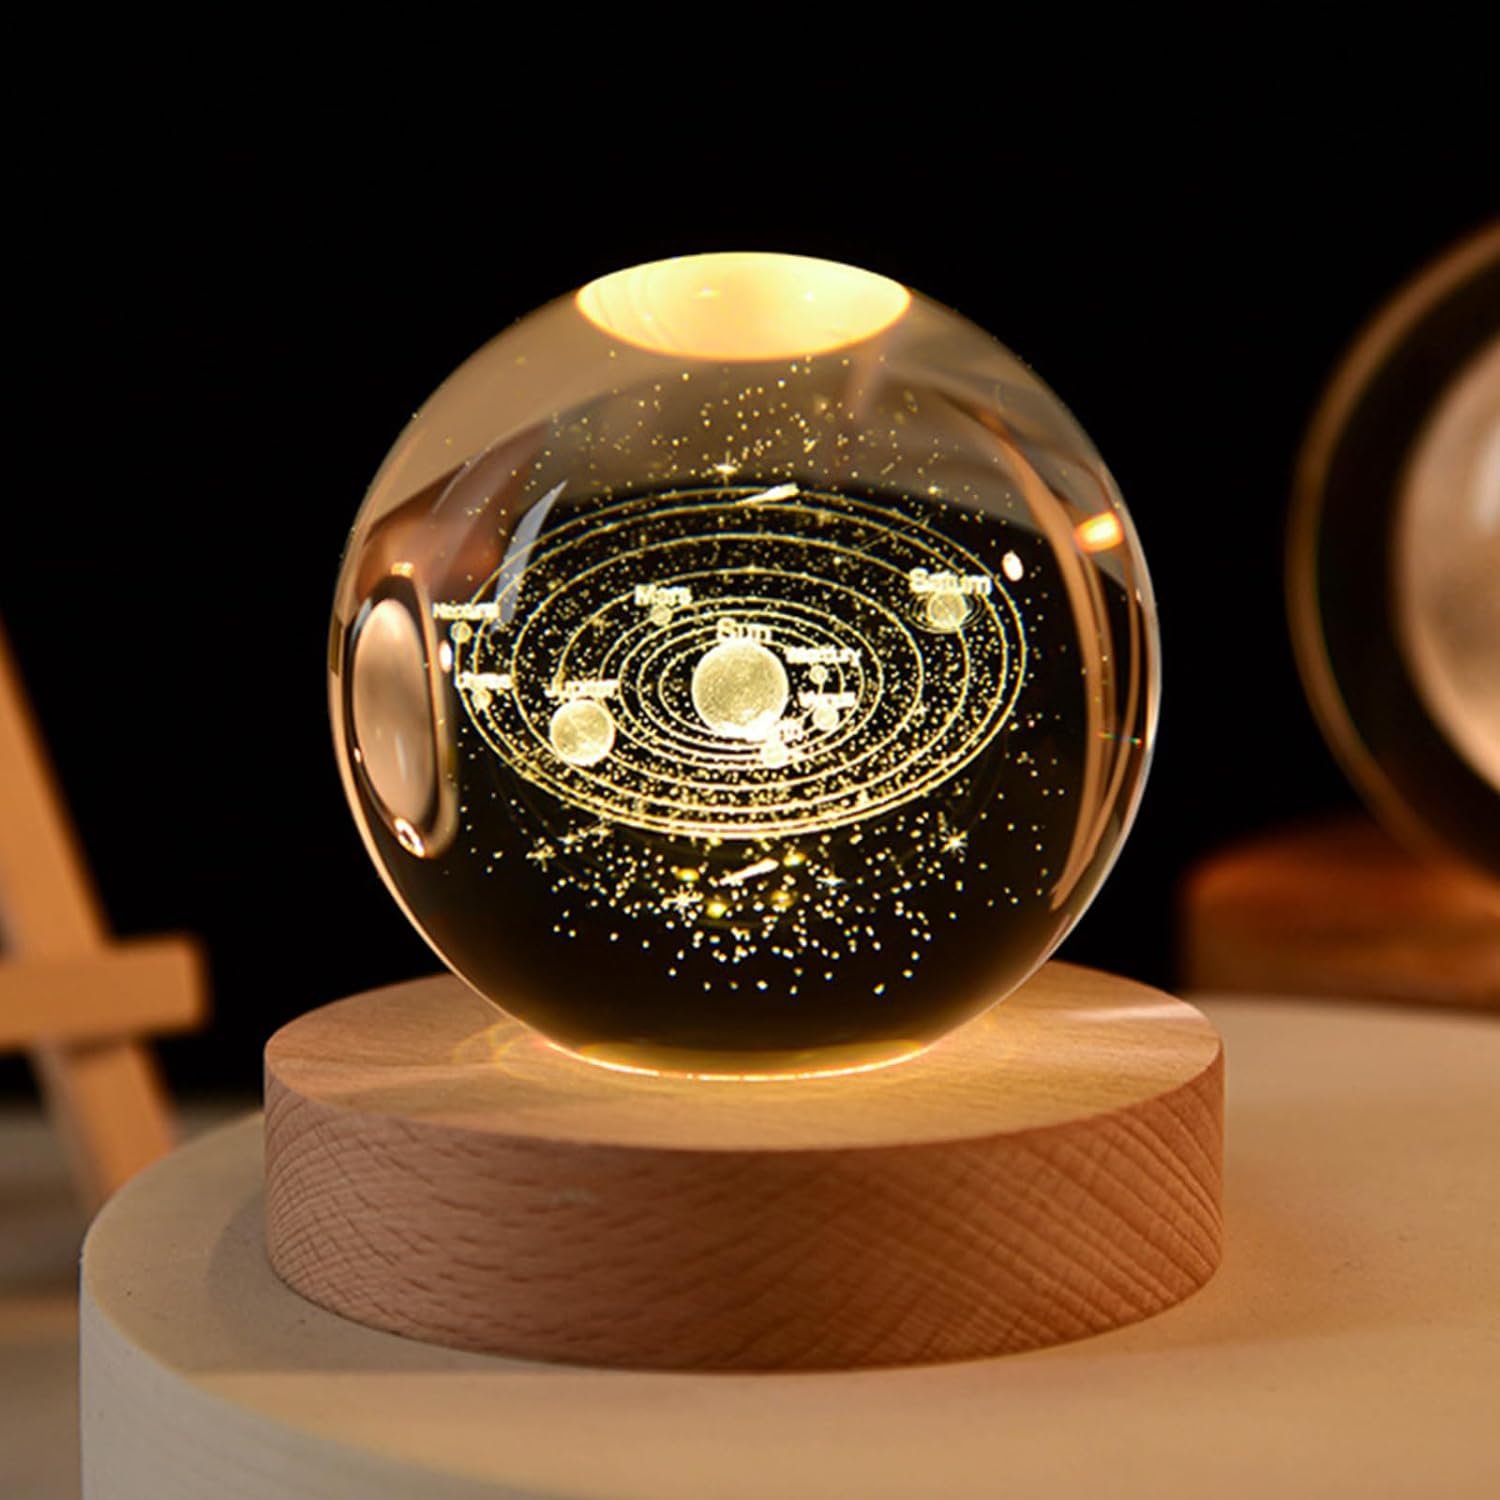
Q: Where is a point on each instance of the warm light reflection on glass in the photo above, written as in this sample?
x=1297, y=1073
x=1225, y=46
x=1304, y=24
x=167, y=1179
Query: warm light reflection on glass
x=1100, y=533
x=743, y=305
x=409, y=838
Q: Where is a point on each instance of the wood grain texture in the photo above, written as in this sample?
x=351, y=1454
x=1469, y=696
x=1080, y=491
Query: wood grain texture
x=1340, y=909
x=63, y=974
x=1050, y=1171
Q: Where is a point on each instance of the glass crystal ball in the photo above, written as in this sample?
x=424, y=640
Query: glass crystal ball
x=743, y=667
x=1394, y=559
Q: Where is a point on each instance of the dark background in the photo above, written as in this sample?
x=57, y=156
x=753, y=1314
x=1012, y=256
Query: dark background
x=228, y=331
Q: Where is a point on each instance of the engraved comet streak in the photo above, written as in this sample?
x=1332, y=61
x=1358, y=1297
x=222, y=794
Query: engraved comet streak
x=760, y=867
x=765, y=497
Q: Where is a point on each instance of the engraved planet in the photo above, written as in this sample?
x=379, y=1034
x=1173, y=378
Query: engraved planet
x=740, y=690
x=582, y=732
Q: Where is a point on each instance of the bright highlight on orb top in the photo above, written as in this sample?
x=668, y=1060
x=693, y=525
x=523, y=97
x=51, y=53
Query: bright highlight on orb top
x=743, y=305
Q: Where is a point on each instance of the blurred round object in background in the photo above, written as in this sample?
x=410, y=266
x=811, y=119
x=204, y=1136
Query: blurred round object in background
x=1339, y=908
x=1447, y=558
x=1394, y=559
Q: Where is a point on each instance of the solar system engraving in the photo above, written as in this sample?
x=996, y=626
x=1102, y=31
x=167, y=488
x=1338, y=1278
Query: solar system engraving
x=745, y=696
x=694, y=666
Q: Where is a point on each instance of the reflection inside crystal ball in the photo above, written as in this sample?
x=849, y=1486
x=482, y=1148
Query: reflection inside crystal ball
x=744, y=667
x=1447, y=573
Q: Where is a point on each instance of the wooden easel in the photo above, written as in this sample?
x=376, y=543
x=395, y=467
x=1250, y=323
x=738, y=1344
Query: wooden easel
x=70, y=996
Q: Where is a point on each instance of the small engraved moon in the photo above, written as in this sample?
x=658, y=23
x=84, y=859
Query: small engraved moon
x=582, y=732
x=740, y=689
x=774, y=753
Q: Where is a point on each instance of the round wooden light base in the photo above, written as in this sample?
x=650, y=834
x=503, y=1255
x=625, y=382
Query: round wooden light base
x=1341, y=909
x=1049, y=1171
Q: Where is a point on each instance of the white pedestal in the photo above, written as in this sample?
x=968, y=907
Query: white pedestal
x=1349, y=1346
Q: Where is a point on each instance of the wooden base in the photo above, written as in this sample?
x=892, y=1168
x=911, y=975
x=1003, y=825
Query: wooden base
x=1052, y=1170
x=1340, y=909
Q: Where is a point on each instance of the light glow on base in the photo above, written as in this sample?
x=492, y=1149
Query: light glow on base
x=624, y=1059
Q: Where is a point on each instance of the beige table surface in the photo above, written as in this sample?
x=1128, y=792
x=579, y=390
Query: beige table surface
x=1350, y=1345
x=41, y=1235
